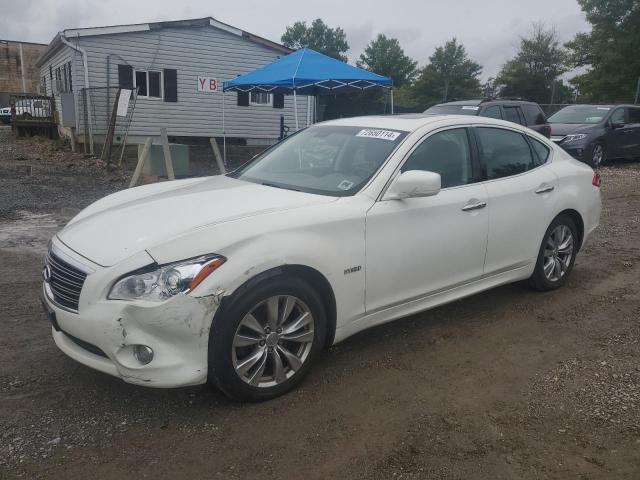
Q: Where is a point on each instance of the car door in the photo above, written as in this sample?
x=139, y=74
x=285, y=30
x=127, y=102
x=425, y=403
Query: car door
x=418, y=246
x=634, y=124
x=521, y=191
x=621, y=141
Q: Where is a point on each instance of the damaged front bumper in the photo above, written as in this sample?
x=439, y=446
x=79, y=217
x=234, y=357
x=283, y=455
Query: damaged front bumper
x=103, y=334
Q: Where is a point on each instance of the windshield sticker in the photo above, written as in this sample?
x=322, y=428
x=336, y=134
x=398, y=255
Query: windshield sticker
x=469, y=107
x=381, y=134
x=603, y=108
x=345, y=185
x=593, y=119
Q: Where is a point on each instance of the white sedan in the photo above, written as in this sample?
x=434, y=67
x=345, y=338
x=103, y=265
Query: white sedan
x=243, y=279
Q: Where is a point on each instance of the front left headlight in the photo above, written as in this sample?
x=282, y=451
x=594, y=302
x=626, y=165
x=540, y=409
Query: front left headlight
x=165, y=281
x=574, y=137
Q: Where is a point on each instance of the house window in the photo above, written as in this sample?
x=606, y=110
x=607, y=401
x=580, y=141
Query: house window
x=43, y=85
x=148, y=83
x=260, y=98
x=69, y=83
x=59, y=87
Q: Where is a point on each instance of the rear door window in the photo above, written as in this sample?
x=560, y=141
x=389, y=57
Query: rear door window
x=511, y=114
x=503, y=152
x=492, y=112
x=446, y=153
x=634, y=115
x=533, y=114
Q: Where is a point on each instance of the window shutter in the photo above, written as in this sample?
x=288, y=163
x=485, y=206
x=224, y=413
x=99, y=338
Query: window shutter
x=170, y=85
x=278, y=100
x=125, y=76
x=243, y=99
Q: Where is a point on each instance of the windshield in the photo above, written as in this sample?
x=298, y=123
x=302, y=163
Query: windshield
x=453, y=110
x=580, y=114
x=323, y=159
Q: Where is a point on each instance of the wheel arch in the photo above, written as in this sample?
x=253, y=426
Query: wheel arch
x=312, y=276
x=577, y=219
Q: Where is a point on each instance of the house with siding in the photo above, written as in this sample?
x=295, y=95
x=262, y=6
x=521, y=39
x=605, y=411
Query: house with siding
x=177, y=69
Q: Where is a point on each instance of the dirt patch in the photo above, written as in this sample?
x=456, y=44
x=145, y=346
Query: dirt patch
x=509, y=383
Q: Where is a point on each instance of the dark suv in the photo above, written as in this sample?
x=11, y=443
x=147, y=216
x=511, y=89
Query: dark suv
x=525, y=113
x=595, y=133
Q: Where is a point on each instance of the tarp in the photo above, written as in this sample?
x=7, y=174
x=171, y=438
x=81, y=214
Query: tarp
x=307, y=72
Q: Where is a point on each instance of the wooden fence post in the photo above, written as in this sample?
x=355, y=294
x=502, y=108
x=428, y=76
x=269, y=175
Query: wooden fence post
x=216, y=154
x=167, y=154
x=143, y=157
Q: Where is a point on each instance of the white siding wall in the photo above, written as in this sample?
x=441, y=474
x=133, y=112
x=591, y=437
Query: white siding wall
x=61, y=57
x=193, y=52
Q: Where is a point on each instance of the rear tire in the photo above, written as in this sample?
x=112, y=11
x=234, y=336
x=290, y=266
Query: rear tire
x=253, y=359
x=557, y=255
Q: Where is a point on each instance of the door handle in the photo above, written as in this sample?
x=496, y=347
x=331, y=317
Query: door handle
x=544, y=188
x=474, y=205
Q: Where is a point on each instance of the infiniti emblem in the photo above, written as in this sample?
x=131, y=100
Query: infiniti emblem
x=46, y=273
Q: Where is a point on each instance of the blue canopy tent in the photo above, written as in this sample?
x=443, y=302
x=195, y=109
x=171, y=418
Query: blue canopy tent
x=307, y=72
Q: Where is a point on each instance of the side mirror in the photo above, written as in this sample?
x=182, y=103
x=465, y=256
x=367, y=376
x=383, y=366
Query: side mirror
x=415, y=183
x=616, y=125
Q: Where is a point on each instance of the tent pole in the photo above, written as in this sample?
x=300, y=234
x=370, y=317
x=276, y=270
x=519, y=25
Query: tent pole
x=392, y=101
x=308, y=110
x=224, y=134
x=295, y=109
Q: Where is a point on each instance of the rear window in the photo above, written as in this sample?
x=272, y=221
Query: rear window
x=453, y=110
x=533, y=114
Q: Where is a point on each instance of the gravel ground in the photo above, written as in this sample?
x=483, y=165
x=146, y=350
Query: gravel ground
x=505, y=384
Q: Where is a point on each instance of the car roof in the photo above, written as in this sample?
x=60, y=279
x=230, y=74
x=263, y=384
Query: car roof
x=472, y=101
x=414, y=121
x=490, y=101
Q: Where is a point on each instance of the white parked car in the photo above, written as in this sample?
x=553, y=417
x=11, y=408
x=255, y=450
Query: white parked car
x=5, y=115
x=243, y=279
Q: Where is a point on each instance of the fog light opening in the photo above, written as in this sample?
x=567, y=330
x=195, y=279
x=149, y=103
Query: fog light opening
x=142, y=354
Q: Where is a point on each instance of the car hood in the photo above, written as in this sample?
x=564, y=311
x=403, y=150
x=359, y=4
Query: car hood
x=130, y=221
x=561, y=129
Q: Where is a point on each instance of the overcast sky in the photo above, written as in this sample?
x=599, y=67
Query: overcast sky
x=489, y=29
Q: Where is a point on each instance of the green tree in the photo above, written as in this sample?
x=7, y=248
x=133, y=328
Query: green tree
x=533, y=73
x=385, y=56
x=610, y=51
x=319, y=37
x=449, y=74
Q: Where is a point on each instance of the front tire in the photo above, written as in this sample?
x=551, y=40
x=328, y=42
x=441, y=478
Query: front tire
x=598, y=155
x=265, y=341
x=557, y=255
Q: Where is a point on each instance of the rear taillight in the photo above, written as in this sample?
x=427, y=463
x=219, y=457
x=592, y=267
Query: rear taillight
x=597, y=181
x=546, y=131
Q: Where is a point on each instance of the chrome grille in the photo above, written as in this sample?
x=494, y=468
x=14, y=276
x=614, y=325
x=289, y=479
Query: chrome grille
x=65, y=281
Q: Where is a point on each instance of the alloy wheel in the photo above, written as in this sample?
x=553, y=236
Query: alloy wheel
x=273, y=341
x=597, y=156
x=558, y=253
